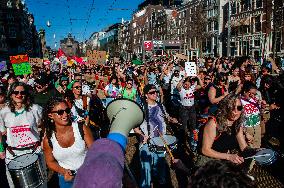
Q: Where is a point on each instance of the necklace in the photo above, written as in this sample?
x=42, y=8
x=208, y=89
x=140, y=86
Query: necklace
x=19, y=113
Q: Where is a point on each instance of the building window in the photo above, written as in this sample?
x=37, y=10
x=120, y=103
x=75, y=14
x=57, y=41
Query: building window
x=256, y=42
x=215, y=25
x=234, y=8
x=258, y=4
x=257, y=24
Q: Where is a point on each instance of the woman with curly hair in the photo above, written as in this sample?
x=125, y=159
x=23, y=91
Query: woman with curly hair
x=77, y=102
x=65, y=143
x=224, y=133
x=20, y=120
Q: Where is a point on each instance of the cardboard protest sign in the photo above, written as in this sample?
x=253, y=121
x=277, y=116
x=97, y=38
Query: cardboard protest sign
x=190, y=69
x=36, y=62
x=96, y=57
x=3, y=66
x=21, y=65
x=22, y=68
x=19, y=59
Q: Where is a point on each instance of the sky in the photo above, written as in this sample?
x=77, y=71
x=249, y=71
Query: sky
x=79, y=17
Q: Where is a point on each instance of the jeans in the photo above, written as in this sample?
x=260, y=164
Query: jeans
x=63, y=183
x=152, y=164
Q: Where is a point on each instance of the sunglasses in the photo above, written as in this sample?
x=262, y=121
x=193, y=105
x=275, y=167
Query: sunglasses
x=78, y=87
x=240, y=108
x=129, y=83
x=19, y=92
x=207, y=78
x=152, y=92
x=61, y=112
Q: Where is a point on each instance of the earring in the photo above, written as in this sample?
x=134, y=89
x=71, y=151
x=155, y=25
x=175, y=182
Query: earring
x=51, y=120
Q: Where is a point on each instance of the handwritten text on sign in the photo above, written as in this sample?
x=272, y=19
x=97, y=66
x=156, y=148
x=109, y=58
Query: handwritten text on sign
x=22, y=68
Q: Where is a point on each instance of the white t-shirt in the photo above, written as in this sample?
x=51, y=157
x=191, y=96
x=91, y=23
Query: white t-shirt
x=174, y=82
x=79, y=104
x=252, y=113
x=72, y=157
x=86, y=90
x=22, y=130
x=112, y=90
x=187, y=96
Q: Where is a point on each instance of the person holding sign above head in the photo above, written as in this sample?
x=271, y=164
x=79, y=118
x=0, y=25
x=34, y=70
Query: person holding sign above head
x=187, y=87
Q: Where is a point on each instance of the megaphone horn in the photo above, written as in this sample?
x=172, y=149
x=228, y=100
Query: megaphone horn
x=124, y=115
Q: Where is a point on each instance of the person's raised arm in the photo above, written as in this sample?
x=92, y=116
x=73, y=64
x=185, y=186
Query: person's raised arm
x=212, y=96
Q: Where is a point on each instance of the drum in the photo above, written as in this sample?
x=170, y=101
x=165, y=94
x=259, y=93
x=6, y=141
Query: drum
x=265, y=157
x=156, y=144
x=26, y=171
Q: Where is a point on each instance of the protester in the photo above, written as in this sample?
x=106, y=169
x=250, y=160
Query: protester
x=223, y=133
x=153, y=125
x=65, y=143
x=252, y=108
x=21, y=119
x=187, y=87
x=78, y=103
x=112, y=90
x=128, y=92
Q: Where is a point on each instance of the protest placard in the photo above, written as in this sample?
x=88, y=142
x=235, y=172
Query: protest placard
x=19, y=59
x=3, y=66
x=21, y=65
x=190, y=69
x=96, y=57
x=22, y=68
x=36, y=62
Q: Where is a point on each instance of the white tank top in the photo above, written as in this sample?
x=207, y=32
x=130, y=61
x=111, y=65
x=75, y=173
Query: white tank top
x=187, y=96
x=72, y=157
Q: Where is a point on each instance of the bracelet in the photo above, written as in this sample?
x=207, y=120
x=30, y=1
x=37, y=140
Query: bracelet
x=1, y=147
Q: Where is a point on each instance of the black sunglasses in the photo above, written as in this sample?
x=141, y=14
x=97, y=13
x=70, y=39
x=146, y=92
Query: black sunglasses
x=61, y=112
x=19, y=92
x=207, y=78
x=240, y=108
x=78, y=87
x=152, y=92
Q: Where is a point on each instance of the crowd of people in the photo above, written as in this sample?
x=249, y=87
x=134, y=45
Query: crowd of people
x=231, y=107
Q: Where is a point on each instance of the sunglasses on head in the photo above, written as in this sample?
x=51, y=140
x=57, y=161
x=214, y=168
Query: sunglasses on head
x=152, y=92
x=240, y=108
x=19, y=92
x=78, y=87
x=61, y=112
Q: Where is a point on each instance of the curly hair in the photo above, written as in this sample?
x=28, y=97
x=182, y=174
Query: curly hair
x=220, y=173
x=224, y=112
x=48, y=125
x=28, y=99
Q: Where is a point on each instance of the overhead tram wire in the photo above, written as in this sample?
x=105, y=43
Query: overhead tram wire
x=88, y=19
x=68, y=7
